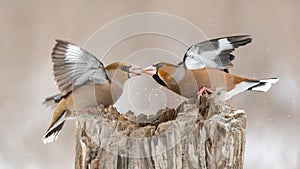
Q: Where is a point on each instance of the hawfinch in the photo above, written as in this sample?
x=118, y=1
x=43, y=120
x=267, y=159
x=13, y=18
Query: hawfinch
x=192, y=83
x=205, y=68
x=83, y=82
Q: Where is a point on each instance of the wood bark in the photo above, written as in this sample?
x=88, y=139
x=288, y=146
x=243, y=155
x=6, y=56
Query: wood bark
x=205, y=133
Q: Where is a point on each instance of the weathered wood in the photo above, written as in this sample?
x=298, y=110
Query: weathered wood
x=209, y=134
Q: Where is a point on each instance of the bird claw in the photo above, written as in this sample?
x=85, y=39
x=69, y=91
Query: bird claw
x=204, y=90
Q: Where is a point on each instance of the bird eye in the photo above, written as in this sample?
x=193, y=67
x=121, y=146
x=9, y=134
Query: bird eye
x=125, y=68
x=158, y=65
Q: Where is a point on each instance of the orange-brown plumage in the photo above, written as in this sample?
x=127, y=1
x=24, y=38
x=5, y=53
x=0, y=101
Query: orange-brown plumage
x=204, y=67
x=187, y=82
x=83, y=82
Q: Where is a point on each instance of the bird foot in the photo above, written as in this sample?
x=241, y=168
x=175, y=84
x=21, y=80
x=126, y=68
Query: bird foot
x=204, y=90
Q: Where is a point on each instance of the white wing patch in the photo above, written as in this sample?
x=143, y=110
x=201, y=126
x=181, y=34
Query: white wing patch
x=214, y=53
x=74, y=66
x=224, y=44
x=199, y=59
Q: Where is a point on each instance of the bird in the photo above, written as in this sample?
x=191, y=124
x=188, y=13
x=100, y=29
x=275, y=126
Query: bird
x=204, y=69
x=83, y=82
x=214, y=53
x=194, y=83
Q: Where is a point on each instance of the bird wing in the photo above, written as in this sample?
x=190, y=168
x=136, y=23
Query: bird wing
x=74, y=67
x=214, y=53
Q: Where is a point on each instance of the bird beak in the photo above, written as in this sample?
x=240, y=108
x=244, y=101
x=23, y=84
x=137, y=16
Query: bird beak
x=135, y=71
x=150, y=70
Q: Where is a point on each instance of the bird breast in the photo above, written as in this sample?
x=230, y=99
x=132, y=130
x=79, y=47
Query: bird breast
x=91, y=95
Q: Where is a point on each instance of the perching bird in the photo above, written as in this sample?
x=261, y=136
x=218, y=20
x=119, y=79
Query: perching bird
x=192, y=83
x=205, y=67
x=214, y=53
x=83, y=82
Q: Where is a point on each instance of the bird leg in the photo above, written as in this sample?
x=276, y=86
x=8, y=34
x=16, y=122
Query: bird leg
x=204, y=90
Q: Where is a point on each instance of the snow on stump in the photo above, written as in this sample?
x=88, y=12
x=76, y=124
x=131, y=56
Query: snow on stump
x=205, y=134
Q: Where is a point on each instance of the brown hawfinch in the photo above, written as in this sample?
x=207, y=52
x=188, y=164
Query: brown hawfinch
x=83, y=82
x=205, y=67
x=192, y=83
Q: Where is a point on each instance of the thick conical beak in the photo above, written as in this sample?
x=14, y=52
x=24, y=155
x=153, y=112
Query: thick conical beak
x=135, y=71
x=150, y=70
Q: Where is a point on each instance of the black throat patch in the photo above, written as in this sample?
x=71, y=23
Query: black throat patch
x=158, y=80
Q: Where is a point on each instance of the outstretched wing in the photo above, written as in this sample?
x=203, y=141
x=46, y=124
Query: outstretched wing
x=74, y=66
x=214, y=53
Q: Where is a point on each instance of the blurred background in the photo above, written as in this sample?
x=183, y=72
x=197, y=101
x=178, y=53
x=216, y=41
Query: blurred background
x=29, y=28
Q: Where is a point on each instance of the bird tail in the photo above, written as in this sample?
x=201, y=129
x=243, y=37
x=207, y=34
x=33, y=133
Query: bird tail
x=254, y=85
x=263, y=85
x=53, y=100
x=58, y=120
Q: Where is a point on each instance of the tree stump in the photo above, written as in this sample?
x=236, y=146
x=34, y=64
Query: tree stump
x=206, y=133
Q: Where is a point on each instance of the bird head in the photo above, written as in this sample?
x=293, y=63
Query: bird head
x=163, y=73
x=118, y=73
x=121, y=71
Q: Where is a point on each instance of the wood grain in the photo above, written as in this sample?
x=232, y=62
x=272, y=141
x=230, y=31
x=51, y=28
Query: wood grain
x=205, y=133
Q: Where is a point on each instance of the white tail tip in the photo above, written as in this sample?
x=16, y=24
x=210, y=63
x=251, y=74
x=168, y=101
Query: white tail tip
x=53, y=137
x=264, y=85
